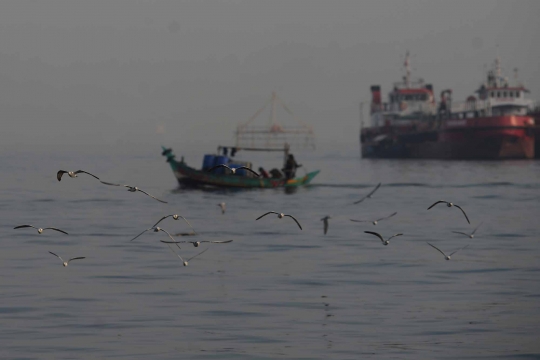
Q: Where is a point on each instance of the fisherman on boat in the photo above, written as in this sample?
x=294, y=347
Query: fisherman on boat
x=290, y=167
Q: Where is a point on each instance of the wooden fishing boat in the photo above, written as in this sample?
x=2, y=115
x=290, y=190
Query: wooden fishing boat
x=189, y=176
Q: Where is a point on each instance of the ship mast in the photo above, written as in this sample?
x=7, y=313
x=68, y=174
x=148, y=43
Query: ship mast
x=407, y=65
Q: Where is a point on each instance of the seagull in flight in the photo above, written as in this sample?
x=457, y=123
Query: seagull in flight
x=233, y=170
x=185, y=262
x=447, y=257
x=65, y=263
x=40, y=230
x=375, y=222
x=325, y=220
x=280, y=216
x=134, y=189
x=449, y=204
x=368, y=196
x=471, y=235
x=222, y=206
x=72, y=174
x=385, y=242
x=154, y=227
x=196, y=243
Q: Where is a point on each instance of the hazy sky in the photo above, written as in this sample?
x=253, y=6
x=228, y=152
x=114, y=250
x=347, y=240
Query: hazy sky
x=110, y=71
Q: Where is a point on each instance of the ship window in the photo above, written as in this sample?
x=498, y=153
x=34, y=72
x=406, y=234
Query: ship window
x=517, y=94
x=498, y=94
x=510, y=94
x=504, y=93
x=492, y=94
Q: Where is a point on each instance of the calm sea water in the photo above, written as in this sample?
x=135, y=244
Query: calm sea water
x=276, y=291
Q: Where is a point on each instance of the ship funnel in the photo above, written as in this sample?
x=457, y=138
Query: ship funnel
x=375, y=98
x=429, y=87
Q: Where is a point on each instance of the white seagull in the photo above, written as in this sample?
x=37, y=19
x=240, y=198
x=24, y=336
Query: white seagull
x=185, y=262
x=280, y=216
x=222, y=206
x=471, y=235
x=40, y=230
x=72, y=174
x=385, y=242
x=374, y=222
x=368, y=196
x=134, y=189
x=447, y=257
x=65, y=263
x=233, y=170
x=325, y=220
x=449, y=204
x=154, y=227
x=196, y=243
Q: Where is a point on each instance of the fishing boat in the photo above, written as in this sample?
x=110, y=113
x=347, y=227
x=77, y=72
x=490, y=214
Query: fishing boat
x=191, y=177
x=495, y=124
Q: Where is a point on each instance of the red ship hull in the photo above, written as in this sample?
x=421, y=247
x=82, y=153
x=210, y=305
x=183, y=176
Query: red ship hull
x=494, y=137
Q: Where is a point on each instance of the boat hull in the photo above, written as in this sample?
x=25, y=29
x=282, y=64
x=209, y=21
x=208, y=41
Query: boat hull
x=504, y=137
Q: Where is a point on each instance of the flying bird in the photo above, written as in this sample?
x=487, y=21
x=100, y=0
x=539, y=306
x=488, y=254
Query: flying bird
x=222, y=206
x=447, y=257
x=385, y=242
x=196, y=243
x=65, y=263
x=40, y=230
x=72, y=174
x=134, y=189
x=368, y=196
x=185, y=262
x=280, y=216
x=375, y=222
x=233, y=170
x=449, y=204
x=471, y=235
x=154, y=227
x=325, y=221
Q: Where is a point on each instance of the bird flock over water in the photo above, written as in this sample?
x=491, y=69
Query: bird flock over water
x=155, y=228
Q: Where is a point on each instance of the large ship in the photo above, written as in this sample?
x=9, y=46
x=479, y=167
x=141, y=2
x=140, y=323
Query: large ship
x=493, y=124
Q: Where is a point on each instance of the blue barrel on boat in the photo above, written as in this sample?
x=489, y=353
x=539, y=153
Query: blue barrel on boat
x=208, y=161
x=218, y=160
x=241, y=172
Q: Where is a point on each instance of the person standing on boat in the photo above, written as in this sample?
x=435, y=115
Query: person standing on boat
x=290, y=167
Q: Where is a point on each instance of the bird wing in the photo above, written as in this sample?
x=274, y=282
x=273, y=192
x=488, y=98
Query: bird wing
x=248, y=169
x=107, y=183
x=170, y=237
x=296, y=221
x=24, y=226
x=459, y=232
x=175, y=242
x=85, y=172
x=52, y=228
x=174, y=252
x=438, y=202
x=160, y=220
x=458, y=250
x=220, y=242
x=466, y=217
x=220, y=165
x=140, y=234
x=60, y=173
x=376, y=234
x=76, y=258
x=436, y=248
x=193, y=257
x=270, y=212
x=368, y=195
x=395, y=235
x=358, y=220
x=56, y=255
x=144, y=192
x=476, y=228
x=389, y=216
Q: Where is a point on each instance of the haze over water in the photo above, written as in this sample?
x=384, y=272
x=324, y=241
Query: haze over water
x=275, y=291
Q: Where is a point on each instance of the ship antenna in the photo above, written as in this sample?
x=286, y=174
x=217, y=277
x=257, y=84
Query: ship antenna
x=407, y=65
